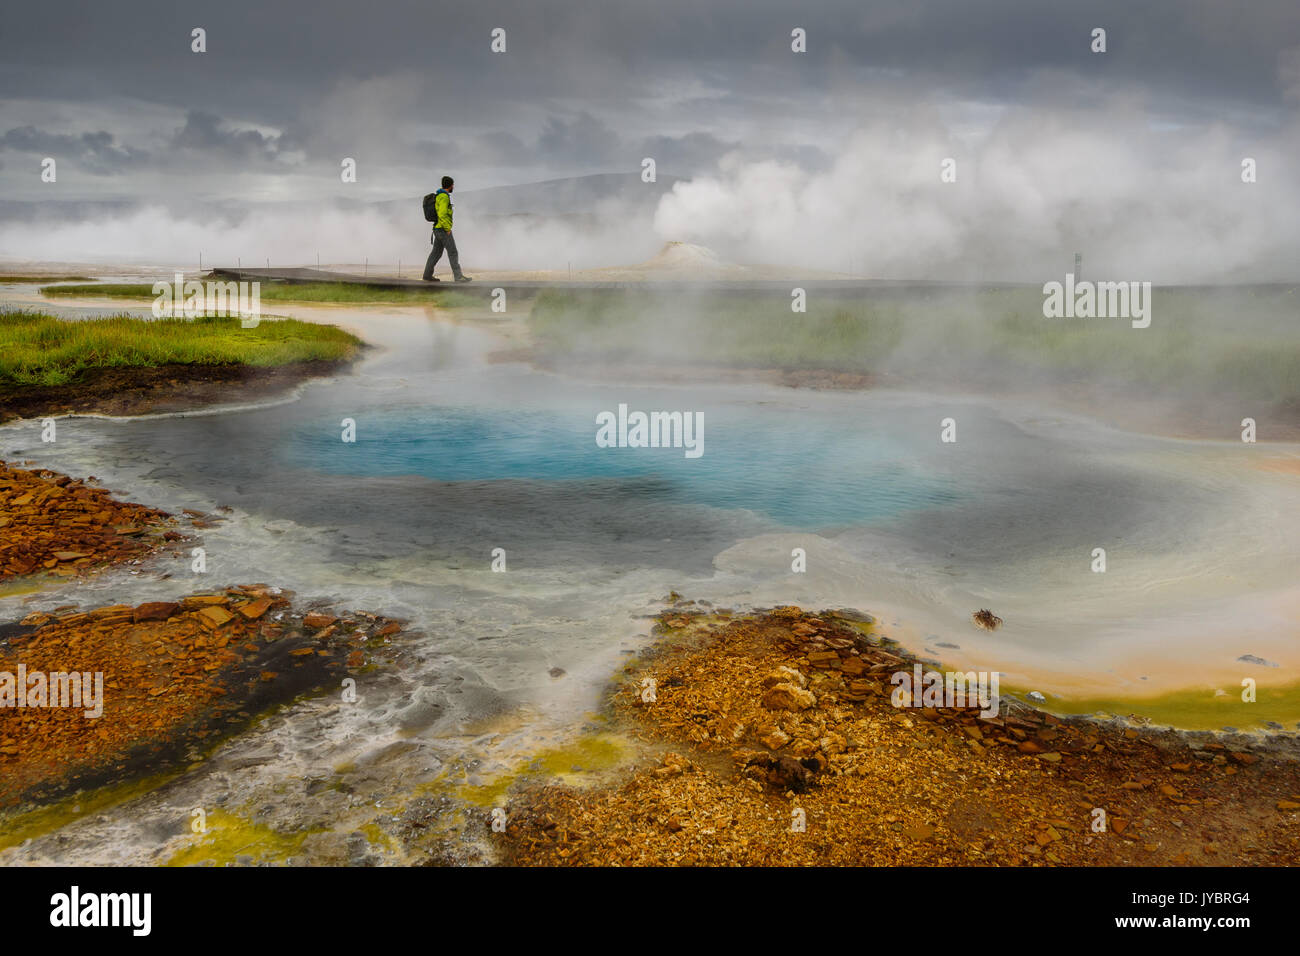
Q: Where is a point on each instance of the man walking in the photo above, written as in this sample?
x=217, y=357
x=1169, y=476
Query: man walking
x=442, y=234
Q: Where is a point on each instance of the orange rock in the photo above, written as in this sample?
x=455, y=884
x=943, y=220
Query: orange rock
x=156, y=611
x=202, y=600
x=112, y=611
x=215, y=616
x=787, y=697
x=255, y=609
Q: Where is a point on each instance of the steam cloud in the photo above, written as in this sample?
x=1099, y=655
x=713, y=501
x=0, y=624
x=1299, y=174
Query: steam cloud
x=1138, y=198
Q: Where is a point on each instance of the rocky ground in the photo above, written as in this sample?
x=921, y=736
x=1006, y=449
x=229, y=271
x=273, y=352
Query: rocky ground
x=765, y=722
x=177, y=677
x=53, y=524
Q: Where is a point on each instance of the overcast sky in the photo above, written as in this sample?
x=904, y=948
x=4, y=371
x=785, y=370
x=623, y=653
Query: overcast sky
x=711, y=90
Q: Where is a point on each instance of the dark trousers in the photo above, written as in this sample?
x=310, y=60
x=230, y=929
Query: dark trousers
x=442, y=239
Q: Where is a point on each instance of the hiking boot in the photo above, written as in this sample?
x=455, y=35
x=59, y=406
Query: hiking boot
x=464, y=279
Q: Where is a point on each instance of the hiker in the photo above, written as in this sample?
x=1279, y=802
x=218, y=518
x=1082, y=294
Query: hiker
x=437, y=209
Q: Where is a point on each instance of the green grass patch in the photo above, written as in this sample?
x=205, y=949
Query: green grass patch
x=38, y=349
x=732, y=329
x=444, y=294
x=1232, y=342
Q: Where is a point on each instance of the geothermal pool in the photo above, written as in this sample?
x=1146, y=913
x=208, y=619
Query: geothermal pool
x=458, y=454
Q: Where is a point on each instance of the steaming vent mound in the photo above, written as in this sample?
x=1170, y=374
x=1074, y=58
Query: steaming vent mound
x=689, y=260
x=684, y=255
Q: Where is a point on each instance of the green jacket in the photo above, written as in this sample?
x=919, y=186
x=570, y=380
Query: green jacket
x=442, y=207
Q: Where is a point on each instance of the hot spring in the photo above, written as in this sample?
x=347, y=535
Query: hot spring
x=460, y=457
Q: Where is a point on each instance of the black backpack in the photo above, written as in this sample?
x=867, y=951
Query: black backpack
x=430, y=210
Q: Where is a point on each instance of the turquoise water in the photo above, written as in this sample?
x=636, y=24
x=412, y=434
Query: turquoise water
x=796, y=472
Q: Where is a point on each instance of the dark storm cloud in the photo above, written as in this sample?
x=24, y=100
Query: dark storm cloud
x=689, y=152
x=581, y=139
x=584, y=143
x=500, y=147
x=583, y=83
x=271, y=59
x=98, y=152
x=1132, y=151
x=207, y=133
x=204, y=139
x=584, y=139
x=494, y=149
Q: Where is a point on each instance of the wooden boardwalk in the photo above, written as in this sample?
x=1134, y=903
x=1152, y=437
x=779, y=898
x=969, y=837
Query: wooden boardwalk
x=839, y=288
x=301, y=276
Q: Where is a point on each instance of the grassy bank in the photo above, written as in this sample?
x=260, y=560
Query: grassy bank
x=37, y=349
x=324, y=292
x=1237, y=341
